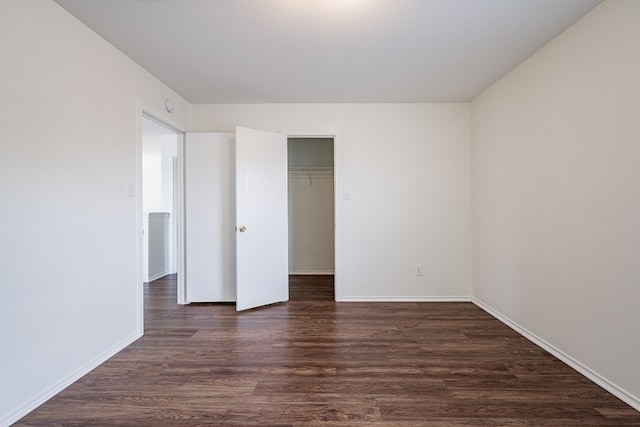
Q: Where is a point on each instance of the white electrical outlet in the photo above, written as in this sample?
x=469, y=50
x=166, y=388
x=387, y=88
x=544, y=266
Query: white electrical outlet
x=419, y=270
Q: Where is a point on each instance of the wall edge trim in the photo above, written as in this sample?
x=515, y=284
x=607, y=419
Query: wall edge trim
x=592, y=375
x=404, y=299
x=311, y=272
x=157, y=276
x=65, y=382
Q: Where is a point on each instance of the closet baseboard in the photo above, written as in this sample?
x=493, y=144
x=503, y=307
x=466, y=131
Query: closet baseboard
x=310, y=272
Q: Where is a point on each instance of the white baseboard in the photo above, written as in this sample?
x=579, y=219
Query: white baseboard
x=41, y=398
x=311, y=272
x=404, y=299
x=619, y=392
x=158, y=276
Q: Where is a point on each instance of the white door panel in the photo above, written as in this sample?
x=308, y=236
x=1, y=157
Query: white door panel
x=261, y=209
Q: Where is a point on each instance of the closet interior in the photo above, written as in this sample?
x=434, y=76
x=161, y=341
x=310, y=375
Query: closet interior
x=311, y=206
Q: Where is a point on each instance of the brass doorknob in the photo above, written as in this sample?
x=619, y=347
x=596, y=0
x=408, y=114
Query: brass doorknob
x=242, y=229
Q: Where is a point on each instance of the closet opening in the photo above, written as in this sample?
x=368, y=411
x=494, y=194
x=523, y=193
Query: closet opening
x=311, y=217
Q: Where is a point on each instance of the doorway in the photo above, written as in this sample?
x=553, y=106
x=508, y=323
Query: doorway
x=160, y=194
x=311, y=210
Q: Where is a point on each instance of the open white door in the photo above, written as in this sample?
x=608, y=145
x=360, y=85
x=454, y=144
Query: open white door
x=261, y=218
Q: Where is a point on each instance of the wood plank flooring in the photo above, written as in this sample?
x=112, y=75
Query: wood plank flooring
x=315, y=362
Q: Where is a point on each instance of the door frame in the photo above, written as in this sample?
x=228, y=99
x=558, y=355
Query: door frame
x=179, y=212
x=337, y=205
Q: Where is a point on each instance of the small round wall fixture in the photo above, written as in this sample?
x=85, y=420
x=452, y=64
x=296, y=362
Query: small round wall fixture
x=168, y=104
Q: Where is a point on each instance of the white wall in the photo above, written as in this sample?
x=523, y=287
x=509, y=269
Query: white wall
x=311, y=222
x=68, y=259
x=169, y=153
x=169, y=199
x=310, y=152
x=556, y=195
x=406, y=167
x=159, y=149
x=156, y=232
x=158, y=152
x=152, y=184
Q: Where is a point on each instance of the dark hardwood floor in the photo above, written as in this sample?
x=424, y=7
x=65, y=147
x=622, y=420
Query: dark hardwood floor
x=315, y=362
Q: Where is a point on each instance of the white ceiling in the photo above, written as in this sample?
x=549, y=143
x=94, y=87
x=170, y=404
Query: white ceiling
x=264, y=51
